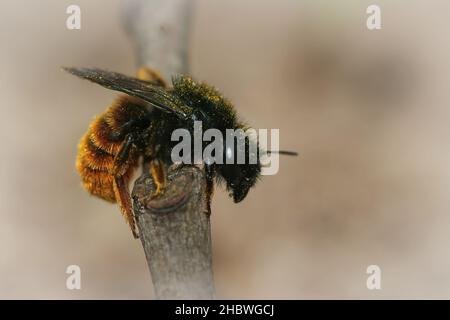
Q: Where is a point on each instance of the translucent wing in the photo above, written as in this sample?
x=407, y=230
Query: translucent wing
x=154, y=95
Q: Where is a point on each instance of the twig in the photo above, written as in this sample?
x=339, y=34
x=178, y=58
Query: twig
x=174, y=229
x=160, y=33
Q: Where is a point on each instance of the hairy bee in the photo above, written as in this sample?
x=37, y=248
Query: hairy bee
x=140, y=124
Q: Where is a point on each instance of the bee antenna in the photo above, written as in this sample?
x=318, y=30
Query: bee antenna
x=283, y=152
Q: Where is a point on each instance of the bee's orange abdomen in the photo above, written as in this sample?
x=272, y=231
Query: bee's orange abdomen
x=123, y=109
x=98, y=183
x=100, y=135
x=94, y=157
x=99, y=146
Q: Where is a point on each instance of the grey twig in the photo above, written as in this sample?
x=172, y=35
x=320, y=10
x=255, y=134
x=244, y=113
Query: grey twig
x=160, y=33
x=174, y=228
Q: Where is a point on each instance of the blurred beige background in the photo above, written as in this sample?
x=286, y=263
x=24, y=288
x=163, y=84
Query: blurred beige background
x=367, y=110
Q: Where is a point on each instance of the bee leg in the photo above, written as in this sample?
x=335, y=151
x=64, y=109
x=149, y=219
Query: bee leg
x=120, y=184
x=159, y=175
x=150, y=75
x=209, y=187
x=123, y=198
x=122, y=158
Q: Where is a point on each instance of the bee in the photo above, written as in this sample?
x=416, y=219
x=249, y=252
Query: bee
x=139, y=124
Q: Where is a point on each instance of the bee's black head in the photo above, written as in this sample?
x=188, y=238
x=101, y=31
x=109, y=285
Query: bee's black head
x=241, y=168
x=239, y=178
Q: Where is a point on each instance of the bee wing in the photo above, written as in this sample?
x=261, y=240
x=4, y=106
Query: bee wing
x=154, y=95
